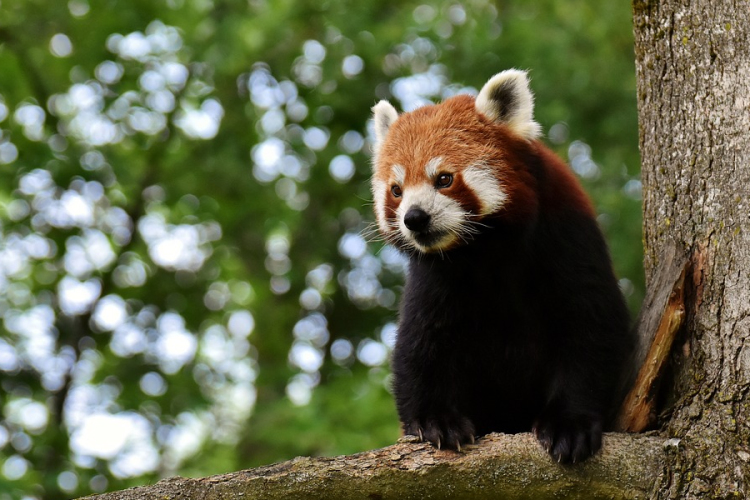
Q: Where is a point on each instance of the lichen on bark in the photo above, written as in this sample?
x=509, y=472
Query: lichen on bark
x=694, y=111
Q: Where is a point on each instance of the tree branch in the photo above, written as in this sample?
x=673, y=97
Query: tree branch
x=498, y=466
x=662, y=316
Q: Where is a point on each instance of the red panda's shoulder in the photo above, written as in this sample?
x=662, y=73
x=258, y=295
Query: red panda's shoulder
x=560, y=188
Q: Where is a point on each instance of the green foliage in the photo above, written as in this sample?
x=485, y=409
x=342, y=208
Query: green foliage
x=183, y=186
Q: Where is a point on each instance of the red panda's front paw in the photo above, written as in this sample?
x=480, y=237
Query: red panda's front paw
x=569, y=439
x=450, y=431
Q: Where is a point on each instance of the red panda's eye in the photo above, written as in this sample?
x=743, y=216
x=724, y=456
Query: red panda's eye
x=444, y=180
x=396, y=190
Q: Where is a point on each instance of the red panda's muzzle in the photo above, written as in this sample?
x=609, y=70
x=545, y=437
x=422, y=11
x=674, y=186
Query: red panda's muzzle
x=417, y=220
x=426, y=235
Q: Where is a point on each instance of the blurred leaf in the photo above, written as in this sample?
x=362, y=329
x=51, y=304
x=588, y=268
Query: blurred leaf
x=184, y=287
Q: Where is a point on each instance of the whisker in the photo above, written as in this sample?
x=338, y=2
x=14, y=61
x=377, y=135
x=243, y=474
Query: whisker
x=372, y=235
x=469, y=230
x=469, y=220
x=460, y=235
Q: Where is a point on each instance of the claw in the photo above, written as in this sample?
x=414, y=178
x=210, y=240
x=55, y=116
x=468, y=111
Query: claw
x=472, y=438
x=438, y=443
x=421, y=436
x=458, y=446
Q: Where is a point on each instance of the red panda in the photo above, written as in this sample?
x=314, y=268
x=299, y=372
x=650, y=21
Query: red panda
x=511, y=318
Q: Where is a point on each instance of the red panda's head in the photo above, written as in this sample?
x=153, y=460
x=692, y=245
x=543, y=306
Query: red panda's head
x=440, y=170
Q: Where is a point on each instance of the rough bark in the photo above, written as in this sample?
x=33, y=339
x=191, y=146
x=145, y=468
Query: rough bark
x=693, y=68
x=498, y=467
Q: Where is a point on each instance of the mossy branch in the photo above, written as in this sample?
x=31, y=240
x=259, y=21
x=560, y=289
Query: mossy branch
x=499, y=466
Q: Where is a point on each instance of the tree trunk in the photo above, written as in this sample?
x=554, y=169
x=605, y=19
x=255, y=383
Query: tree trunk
x=693, y=68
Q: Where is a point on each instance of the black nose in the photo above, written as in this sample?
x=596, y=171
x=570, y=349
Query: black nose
x=417, y=219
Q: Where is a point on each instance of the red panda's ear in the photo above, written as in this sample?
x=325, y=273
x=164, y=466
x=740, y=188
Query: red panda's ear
x=384, y=114
x=506, y=98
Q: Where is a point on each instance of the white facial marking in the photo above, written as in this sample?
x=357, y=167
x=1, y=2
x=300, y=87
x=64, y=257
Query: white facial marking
x=399, y=174
x=431, y=169
x=379, y=191
x=485, y=186
x=447, y=218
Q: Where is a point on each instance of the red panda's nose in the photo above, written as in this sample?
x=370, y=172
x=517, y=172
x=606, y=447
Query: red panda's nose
x=416, y=219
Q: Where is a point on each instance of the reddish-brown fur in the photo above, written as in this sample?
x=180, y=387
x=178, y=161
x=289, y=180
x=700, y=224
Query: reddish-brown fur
x=567, y=190
x=455, y=131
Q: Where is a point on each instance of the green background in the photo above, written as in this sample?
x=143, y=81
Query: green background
x=184, y=285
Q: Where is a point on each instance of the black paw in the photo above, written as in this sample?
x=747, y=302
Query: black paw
x=569, y=439
x=443, y=432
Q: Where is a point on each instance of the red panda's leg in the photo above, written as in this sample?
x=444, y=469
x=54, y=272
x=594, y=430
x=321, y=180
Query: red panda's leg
x=426, y=394
x=588, y=330
x=445, y=431
x=569, y=432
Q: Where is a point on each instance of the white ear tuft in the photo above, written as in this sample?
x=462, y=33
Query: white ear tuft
x=506, y=98
x=384, y=115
